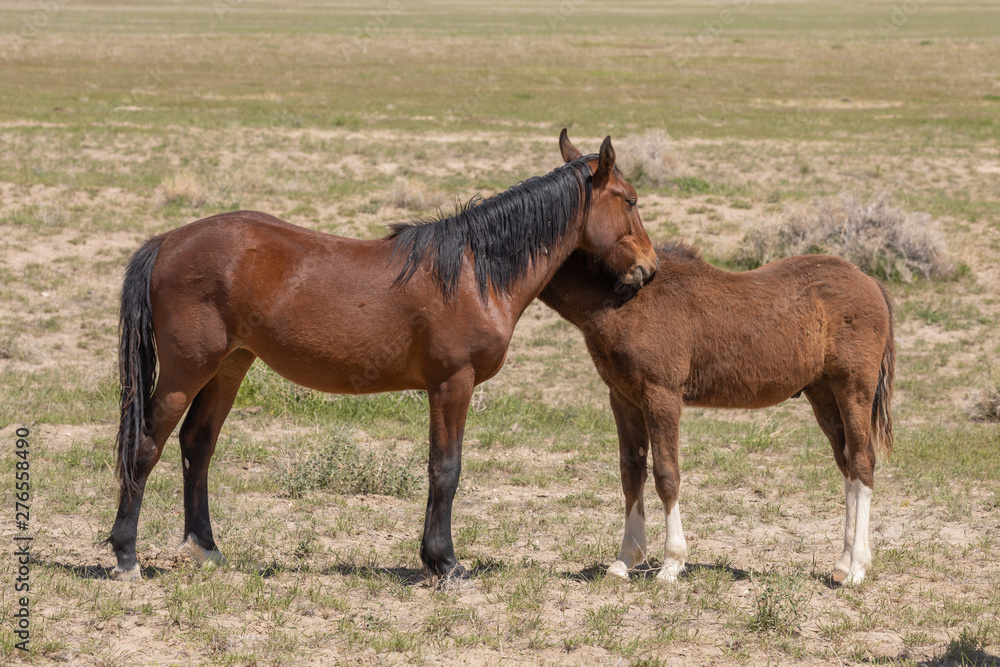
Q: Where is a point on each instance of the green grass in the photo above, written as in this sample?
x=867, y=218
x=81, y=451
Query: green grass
x=122, y=123
x=341, y=468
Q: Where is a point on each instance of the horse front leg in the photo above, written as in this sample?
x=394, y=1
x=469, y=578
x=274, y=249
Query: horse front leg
x=632, y=448
x=662, y=410
x=449, y=407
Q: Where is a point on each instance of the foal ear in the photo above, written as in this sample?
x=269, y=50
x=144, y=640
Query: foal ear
x=566, y=147
x=605, y=163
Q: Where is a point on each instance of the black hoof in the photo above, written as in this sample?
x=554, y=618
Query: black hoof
x=457, y=572
x=456, y=579
x=451, y=572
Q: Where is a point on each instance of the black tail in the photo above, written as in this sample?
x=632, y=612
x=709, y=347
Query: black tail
x=136, y=359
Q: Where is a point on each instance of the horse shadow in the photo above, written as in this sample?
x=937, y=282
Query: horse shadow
x=649, y=571
x=407, y=576
x=960, y=658
x=98, y=572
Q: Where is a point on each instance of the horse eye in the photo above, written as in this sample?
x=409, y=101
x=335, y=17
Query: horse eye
x=631, y=202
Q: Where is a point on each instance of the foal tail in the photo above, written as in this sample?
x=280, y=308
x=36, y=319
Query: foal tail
x=881, y=433
x=136, y=360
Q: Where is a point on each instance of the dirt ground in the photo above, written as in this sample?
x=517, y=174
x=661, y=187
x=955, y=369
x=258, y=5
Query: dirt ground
x=106, y=145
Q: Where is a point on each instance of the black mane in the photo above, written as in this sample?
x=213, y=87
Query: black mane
x=504, y=233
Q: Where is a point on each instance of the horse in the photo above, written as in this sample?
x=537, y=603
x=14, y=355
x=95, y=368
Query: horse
x=431, y=306
x=701, y=336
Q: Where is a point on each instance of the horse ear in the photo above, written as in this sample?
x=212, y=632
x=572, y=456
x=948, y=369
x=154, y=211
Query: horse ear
x=566, y=147
x=605, y=162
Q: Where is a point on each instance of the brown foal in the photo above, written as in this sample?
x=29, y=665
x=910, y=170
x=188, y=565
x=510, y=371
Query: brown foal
x=432, y=306
x=700, y=336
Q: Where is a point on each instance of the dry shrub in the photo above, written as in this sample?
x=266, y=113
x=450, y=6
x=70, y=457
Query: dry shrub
x=341, y=467
x=880, y=239
x=38, y=217
x=183, y=188
x=646, y=159
x=49, y=215
x=15, y=348
x=985, y=403
x=412, y=196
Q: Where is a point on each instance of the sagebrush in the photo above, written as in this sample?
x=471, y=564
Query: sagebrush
x=646, y=159
x=881, y=239
x=985, y=403
x=342, y=468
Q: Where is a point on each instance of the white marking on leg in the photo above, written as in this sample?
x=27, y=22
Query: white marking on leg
x=675, y=547
x=843, y=565
x=187, y=464
x=132, y=574
x=200, y=554
x=861, y=555
x=633, y=544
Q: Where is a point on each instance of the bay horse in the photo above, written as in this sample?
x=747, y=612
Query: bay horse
x=431, y=306
x=700, y=336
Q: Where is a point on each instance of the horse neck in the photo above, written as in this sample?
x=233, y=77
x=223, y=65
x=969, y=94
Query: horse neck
x=545, y=266
x=579, y=291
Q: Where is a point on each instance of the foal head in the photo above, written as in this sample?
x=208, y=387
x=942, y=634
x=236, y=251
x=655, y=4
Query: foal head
x=613, y=230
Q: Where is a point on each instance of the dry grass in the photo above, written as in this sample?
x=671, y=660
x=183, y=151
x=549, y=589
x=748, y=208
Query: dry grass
x=985, y=403
x=327, y=576
x=879, y=238
x=410, y=195
x=183, y=188
x=646, y=159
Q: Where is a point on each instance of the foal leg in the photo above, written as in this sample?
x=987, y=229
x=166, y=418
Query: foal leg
x=198, y=436
x=855, y=402
x=170, y=398
x=662, y=411
x=449, y=406
x=824, y=405
x=632, y=443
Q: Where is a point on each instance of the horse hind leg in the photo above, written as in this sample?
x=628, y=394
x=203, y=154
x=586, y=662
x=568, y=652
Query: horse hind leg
x=824, y=405
x=856, y=411
x=164, y=409
x=632, y=447
x=854, y=399
x=198, y=437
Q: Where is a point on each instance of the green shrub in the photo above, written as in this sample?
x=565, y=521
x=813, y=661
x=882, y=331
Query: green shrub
x=340, y=467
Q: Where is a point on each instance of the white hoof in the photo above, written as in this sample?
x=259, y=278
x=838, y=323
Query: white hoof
x=850, y=575
x=842, y=567
x=201, y=555
x=855, y=577
x=132, y=574
x=851, y=578
x=618, y=569
x=670, y=571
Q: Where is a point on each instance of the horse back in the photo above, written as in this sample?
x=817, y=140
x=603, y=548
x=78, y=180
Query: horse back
x=746, y=339
x=324, y=311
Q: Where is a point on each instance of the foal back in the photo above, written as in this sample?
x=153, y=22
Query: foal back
x=755, y=338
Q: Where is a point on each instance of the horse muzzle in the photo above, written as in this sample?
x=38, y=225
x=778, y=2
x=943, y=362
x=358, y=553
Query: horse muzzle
x=641, y=273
